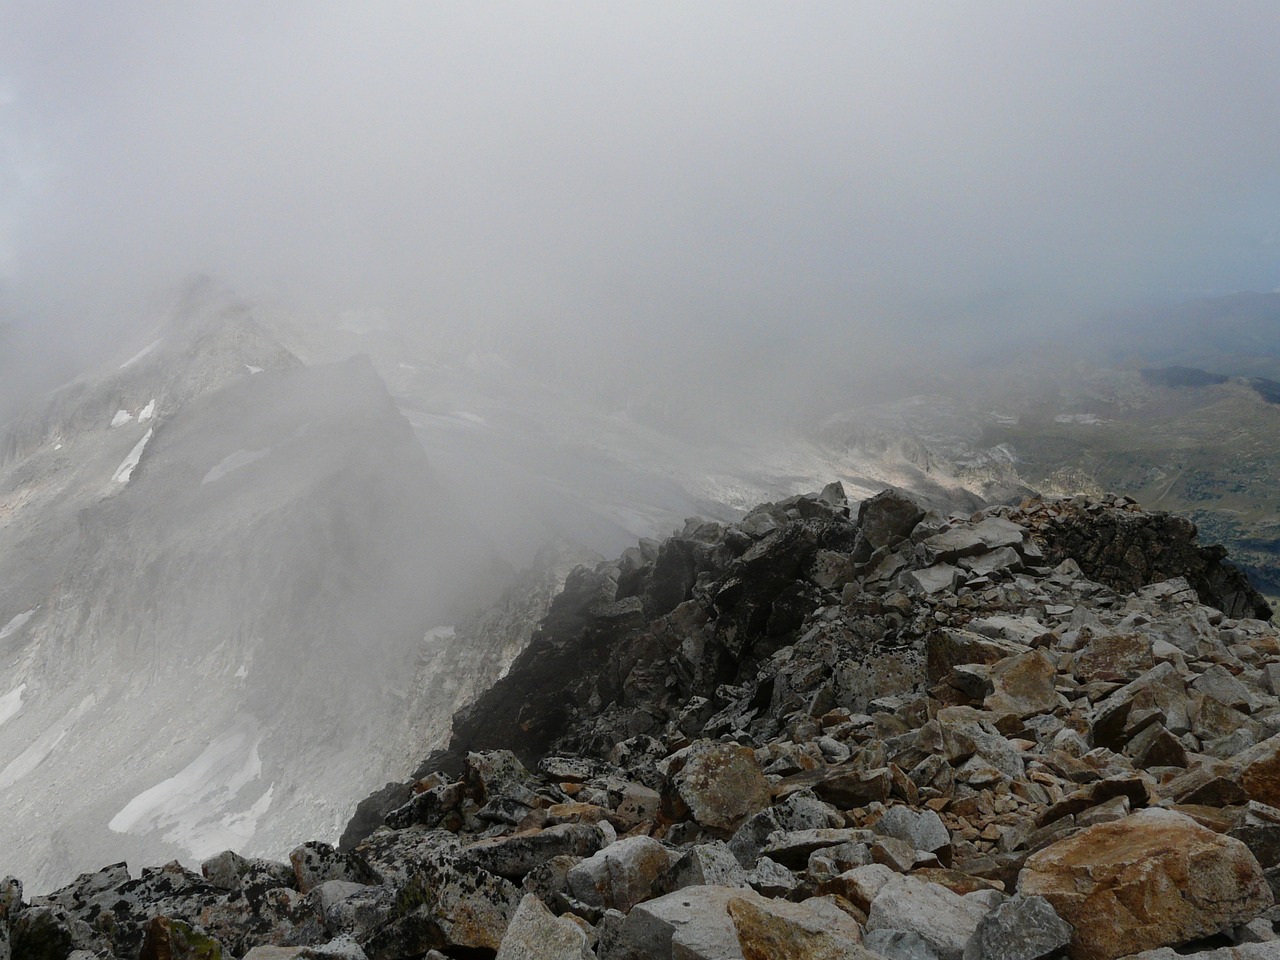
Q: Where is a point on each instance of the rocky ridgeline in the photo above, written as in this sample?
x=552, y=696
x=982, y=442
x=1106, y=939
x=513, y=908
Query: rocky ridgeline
x=1043, y=731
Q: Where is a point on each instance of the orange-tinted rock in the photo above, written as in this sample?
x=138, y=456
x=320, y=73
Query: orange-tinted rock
x=1154, y=879
x=1261, y=775
x=1119, y=657
x=1024, y=685
x=722, y=785
x=772, y=935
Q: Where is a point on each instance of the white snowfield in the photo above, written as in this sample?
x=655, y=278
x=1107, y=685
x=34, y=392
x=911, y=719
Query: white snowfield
x=17, y=623
x=140, y=354
x=11, y=702
x=125, y=470
x=241, y=458
x=147, y=412
x=200, y=807
x=44, y=744
x=121, y=418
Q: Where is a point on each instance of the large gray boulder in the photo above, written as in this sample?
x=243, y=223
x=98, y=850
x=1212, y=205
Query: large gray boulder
x=1021, y=928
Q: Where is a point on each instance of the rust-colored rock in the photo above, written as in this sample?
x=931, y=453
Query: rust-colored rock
x=1024, y=685
x=1119, y=657
x=722, y=785
x=1153, y=879
x=792, y=932
x=1261, y=775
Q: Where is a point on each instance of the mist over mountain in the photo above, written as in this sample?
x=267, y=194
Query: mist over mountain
x=339, y=344
x=217, y=568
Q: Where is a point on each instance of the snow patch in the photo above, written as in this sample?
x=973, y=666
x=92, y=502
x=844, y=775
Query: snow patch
x=44, y=745
x=147, y=412
x=1088, y=419
x=196, y=807
x=241, y=458
x=252, y=369
x=17, y=623
x=242, y=672
x=11, y=702
x=125, y=470
x=121, y=418
x=140, y=354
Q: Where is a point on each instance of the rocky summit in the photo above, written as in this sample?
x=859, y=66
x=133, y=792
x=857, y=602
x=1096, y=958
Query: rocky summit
x=1037, y=731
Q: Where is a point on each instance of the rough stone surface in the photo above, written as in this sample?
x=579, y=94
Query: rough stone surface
x=1155, y=878
x=535, y=933
x=1020, y=928
x=722, y=785
x=941, y=918
x=622, y=874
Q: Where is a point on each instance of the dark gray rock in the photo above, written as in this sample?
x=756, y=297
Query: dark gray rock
x=1021, y=928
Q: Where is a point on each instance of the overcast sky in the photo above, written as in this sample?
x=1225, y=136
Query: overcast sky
x=633, y=176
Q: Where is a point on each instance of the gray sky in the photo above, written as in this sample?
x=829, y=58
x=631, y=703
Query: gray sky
x=641, y=180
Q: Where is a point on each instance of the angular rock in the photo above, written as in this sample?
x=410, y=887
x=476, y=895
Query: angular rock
x=1152, y=879
x=899, y=945
x=799, y=811
x=514, y=856
x=813, y=930
x=722, y=785
x=621, y=875
x=315, y=862
x=1220, y=684
x=535, y=933
x=1260, y=776
x=964, y=540
x=856, y=788
x=1160, y=687
x=772, y=879
x=947, y=649
x=922, y=829
x=169, y=939
x=1021, y=928
x=1001, y=560
x=447, y=904
x=706, y=864
x=696, y=924
x=694, y=921
x=935, y=579
x=887, y=519
x=1118, y=657
x=792, y=848
x=941, y=918
x=1023, y=685
x=394, y=855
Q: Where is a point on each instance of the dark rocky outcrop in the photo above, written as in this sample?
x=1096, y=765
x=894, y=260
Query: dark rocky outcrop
x=1128, y=549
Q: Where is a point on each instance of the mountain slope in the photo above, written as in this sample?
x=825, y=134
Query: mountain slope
x=210, y=610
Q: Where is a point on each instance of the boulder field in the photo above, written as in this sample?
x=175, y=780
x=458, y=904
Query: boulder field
x=1044, y=730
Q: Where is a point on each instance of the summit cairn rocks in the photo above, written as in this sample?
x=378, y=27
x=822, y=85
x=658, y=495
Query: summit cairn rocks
x=764, y=739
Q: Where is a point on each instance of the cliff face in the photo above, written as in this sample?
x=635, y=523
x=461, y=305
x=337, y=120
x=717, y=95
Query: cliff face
x=806, y=734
